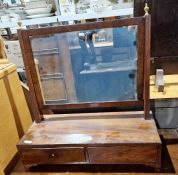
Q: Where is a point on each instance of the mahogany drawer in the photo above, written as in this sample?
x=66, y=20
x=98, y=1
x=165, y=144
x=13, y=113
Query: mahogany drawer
x=123, y=154
x=53, y=155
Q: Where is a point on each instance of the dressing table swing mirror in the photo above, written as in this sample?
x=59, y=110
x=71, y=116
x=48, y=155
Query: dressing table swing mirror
x=87, y=82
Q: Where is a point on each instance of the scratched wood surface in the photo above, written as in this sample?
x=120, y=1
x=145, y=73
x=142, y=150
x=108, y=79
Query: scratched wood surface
x=109, y=129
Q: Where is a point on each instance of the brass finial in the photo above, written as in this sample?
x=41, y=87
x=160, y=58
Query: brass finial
x=146, y=9
x=83, y=21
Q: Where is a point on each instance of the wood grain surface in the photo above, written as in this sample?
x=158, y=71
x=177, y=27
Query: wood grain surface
x=170, y=87
x=52, y=156
x=169, y=166
x=96, y=130
x=127, y=154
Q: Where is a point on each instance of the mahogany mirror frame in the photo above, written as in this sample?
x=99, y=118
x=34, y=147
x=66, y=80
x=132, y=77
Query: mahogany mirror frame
x=143, y=37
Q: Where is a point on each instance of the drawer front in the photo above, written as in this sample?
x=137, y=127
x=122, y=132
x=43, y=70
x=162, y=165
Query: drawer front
x=123, y=154
x=53, y=155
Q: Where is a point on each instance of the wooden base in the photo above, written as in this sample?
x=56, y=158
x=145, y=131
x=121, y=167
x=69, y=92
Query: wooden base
x=97, y=138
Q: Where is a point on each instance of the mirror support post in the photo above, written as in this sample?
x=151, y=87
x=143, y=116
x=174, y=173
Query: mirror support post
x=147, y=65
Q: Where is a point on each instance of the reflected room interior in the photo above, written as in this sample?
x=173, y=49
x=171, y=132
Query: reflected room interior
x=87, y=66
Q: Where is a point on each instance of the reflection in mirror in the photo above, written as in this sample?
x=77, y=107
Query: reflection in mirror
x=87, y=66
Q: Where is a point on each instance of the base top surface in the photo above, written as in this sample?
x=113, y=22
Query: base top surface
x=108, y=128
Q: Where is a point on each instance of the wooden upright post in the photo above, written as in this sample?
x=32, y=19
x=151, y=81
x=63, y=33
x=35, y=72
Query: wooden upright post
x=147, y=63
x=36, y=112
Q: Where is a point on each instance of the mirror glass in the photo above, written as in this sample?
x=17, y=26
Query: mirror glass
x=87, y=66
